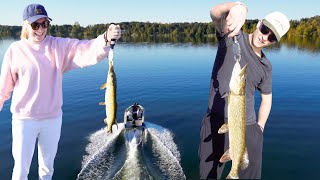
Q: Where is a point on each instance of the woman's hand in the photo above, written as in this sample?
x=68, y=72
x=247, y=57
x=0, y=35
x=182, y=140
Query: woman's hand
x=113, y=32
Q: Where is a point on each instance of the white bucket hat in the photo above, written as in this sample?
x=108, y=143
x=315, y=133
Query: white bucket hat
x=278, y=23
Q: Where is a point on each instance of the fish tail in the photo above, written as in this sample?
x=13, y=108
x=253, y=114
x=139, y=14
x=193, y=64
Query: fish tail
x=233, y=174
x=245, y=160
x=109, y=129
x=232, y=177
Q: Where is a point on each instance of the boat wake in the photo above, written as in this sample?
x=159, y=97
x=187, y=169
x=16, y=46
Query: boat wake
x=132, y=154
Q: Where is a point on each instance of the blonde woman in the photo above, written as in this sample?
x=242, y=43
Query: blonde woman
x=33, y=68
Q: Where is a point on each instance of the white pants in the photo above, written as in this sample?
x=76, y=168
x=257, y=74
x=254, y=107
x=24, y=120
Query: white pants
x=24, y=136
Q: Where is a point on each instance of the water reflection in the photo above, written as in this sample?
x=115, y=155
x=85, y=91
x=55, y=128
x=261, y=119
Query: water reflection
x=169, y=39
x=311, y=45
x=305, y=44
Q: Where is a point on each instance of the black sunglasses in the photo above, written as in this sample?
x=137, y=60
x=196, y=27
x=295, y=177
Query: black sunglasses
x=35, y=25
x=265, y=30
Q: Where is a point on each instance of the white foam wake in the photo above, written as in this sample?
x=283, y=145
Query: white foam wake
x=100, y=144
x=132, y=155
x=132, y=169
x=166, y=150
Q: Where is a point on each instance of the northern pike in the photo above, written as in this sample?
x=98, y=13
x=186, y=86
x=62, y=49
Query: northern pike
x=236, y=126
x=110, y=98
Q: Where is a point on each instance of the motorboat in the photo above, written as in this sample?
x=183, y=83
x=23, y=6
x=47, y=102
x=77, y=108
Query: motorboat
x=134, y=117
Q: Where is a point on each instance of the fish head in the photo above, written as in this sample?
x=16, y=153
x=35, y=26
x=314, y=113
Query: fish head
x=238, y=79
x=111, y=75
x=111, y=65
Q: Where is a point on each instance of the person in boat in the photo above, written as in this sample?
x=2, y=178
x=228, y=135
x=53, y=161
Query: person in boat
x=135, y=115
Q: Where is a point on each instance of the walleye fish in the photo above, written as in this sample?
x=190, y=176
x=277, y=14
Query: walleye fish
x=110, y=98
x=236, y=126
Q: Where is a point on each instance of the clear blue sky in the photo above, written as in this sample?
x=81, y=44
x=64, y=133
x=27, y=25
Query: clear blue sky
x=88, y=12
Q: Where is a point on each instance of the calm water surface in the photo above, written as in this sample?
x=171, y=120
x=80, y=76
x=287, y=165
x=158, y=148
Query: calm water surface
x=172, y=82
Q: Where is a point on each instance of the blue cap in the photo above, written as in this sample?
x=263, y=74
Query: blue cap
x=33, y=12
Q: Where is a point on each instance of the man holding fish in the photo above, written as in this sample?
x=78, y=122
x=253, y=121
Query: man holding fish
x=240, y=68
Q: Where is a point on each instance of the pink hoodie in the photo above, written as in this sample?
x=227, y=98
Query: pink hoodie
x=33, y=71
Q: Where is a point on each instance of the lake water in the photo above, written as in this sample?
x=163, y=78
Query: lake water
x=171, y=81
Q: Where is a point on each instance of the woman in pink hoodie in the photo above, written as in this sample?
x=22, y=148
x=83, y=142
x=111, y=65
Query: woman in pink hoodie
x=33, y=68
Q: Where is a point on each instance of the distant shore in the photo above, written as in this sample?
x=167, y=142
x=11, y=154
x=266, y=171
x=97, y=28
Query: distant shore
x=306, y=27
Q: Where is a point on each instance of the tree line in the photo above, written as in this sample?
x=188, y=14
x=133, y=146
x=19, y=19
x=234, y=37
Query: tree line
x=306, y=27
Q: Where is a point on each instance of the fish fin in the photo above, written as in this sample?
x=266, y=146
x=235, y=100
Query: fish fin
x=102, y=103
x=225, y=157
x=103, y=86
x=223, y=129
x=245, y=160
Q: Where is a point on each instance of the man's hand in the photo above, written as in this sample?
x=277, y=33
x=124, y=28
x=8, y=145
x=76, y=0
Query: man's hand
x=113, y=32
x=236, y=19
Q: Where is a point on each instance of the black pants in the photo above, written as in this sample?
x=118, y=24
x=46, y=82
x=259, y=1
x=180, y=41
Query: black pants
x=213, y=145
